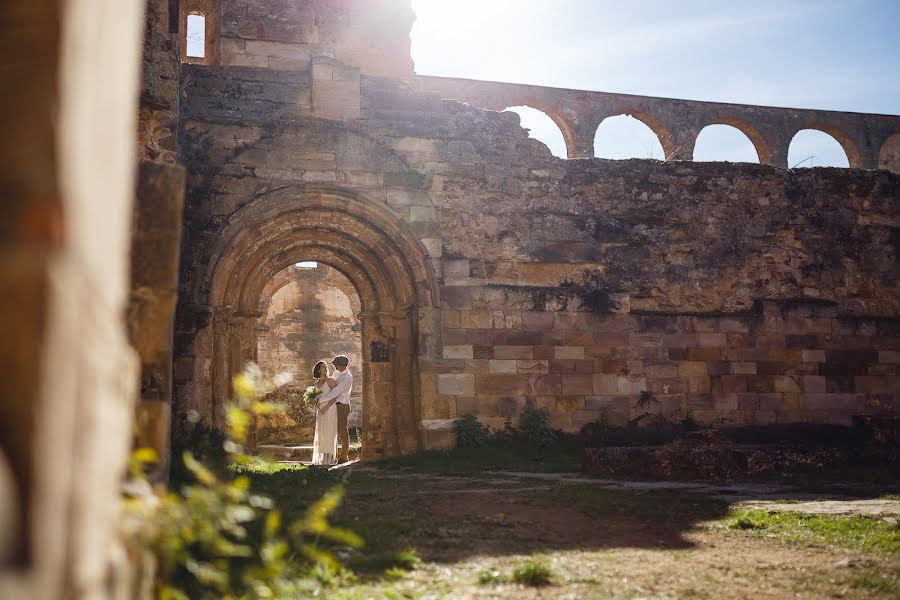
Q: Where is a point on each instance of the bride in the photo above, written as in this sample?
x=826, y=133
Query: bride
x=325, y=440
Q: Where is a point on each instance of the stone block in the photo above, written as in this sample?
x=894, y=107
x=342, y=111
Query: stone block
x=482, y=351
x=455, y=337
x=501, y=384
x=812, y=356
x=456, y=384
x=732, y=325
x=568, y=352
x=688, y=369
x=889, y=357
x=502, y=366
x=477, y=319
x=533, y=366
x=662, y=370
x=785, y=384
x=733, y=384
x=458, y=351
x=513, y=352
x=577, y=384
x=541, y=384
x=852, y=402
x=630, y=384
x=725, y=402
x=605, y=384
x=770, y=402
x=478, y=365
x=610, y=339
x=813, y=384
x=537, y=321
x=712, y=340
x=743, y=368
x=878, y=385
x=457, y=297
x=561, y=366
x=456, y=268
x=699, y=384
x=719, y=367
x=705, y=354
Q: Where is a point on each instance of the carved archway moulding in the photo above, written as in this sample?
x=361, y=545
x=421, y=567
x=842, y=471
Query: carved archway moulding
x=368, y=244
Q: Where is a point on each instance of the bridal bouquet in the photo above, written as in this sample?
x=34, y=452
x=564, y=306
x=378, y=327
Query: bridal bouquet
x=311, y=396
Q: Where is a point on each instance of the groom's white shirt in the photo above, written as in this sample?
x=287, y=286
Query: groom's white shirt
x=341, y=391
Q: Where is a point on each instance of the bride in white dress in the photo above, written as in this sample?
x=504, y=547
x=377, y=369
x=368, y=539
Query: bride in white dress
x=325, y=440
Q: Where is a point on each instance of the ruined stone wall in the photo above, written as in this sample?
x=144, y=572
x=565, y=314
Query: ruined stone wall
x=741, y=293
x=310, y=315
x=372, y=35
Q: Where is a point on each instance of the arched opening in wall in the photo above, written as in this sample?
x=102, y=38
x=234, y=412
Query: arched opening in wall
x=391, y=274
x=889, y=157
x=195, y=38
x=724, y=143
x=542, y=128
x=309, y=312
x=814, y=148
x=624, y=136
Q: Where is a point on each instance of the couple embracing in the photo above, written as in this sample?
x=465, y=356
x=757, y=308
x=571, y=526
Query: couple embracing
x=332, y=411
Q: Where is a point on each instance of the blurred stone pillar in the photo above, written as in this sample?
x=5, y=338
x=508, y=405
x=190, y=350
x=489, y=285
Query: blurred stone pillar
x=155, y=246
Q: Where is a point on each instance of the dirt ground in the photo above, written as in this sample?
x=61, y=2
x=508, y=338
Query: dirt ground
x=471, y=533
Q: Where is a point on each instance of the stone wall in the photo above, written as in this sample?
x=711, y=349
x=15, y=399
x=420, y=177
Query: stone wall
x=372, y=35
x=741, y=293
x=310, y=315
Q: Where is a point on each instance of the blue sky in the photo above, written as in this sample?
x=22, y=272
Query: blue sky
x=839, y=55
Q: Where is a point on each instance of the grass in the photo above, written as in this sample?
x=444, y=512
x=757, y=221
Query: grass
x=851, y=532
x=442, y=537
x=564, y=456
x=534, y=573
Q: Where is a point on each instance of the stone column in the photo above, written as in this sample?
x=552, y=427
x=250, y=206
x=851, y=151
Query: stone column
x=581, y=142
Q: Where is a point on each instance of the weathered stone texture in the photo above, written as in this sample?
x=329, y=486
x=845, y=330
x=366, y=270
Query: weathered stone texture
x=594, y=288
x=372, y=35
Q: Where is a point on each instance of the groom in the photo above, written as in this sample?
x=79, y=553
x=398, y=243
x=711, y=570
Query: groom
x=341, y=395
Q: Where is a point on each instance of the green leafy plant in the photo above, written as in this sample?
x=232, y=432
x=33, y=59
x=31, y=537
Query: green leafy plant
x=534, y=573
x=471, y=433
x=216, y=538
x=534, y=426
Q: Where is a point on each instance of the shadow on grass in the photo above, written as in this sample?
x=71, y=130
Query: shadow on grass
x=563, y=456
x=446, y=520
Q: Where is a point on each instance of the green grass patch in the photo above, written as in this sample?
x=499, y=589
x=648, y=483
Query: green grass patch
x=563, y=456
x=853, y=532
x=534, y=573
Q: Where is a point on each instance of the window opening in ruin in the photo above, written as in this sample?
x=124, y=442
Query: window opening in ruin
x=624, y=136
x=195, y=41
x=724, y=143
x=309, y=314
x=814, y=148
x=542, y=128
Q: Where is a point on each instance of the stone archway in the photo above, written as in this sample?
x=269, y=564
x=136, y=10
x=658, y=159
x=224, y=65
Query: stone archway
x=370, y=246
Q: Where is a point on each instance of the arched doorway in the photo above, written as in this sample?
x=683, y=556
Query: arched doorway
x=364, y=241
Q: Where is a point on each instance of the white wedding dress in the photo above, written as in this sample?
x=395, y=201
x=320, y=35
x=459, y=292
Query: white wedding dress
x=325, y=440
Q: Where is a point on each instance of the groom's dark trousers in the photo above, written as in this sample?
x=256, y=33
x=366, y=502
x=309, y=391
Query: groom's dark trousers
x=343, y=410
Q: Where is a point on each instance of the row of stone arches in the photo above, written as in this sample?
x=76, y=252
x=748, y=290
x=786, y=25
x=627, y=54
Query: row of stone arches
x=640, y=135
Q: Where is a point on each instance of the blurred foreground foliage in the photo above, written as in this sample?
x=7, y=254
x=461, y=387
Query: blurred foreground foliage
x=215, y=538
